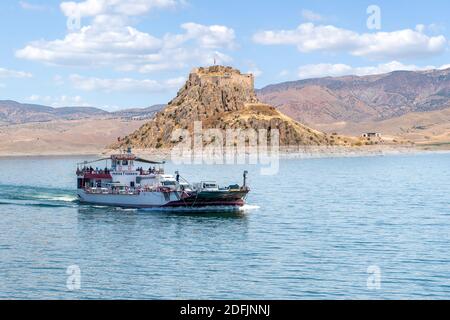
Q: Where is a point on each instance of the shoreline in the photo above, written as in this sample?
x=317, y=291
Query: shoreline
x=292, y=152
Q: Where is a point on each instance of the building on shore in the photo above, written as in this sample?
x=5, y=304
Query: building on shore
x=371, y=135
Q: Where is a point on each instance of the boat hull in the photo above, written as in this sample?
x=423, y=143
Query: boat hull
x=170, y=200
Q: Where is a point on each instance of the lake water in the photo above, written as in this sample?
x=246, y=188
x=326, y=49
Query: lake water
x=313, y=231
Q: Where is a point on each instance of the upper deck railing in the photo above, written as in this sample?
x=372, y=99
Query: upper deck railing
x=107, y=171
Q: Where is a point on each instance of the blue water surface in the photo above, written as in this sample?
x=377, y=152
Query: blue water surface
x=311, y=231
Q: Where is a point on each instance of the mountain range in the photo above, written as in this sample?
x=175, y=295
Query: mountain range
x=12, y=112
x=413, y=105
x=357, y=99
x=409, y=105
x=330, y=100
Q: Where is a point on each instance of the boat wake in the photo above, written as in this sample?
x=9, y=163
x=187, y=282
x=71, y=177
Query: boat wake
x=36, y=196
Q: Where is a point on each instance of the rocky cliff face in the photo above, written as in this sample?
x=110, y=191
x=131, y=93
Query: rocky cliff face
x=222, y=98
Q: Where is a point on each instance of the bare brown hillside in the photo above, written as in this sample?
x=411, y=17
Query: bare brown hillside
x=389, y=103
x=365, y=98
x=63, y=137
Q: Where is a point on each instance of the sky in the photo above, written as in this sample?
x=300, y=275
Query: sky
x=117, y=54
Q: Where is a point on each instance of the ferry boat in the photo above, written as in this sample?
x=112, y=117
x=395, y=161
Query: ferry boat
x=125, y=183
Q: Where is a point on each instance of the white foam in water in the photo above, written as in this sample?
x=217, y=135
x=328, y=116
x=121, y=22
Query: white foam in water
x=125, y=209
x=64, y=198
x=99, y=207
x=249, y=207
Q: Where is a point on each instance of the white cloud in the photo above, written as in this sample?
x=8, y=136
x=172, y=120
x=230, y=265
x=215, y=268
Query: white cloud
x=58, y=80
x=90, y=8
x=91, y=45
x=33, y=6
x=312, y=16
x=6, y=73
x=124, y=84
x=212, y=37
x=309, y=37
x=323, y=70
x=33, y=97
x=109, y=41
x=255, y=71
x=58, y=101
x=433, y=28
x=335, y=70
x=283, y=73
x=128, y=49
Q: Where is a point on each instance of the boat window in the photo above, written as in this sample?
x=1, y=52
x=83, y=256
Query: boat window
x=125, y=162
x=168, y=183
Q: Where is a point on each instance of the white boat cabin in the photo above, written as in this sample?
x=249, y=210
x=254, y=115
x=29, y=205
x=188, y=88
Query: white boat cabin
x=125, y=172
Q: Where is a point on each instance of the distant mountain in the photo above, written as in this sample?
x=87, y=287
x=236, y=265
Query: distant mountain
x=12, y=112
x=140, y=113
x=357, y=99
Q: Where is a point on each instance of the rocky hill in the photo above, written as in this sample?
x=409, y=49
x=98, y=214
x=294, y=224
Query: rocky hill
x=360, y=99
x=222, y=98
